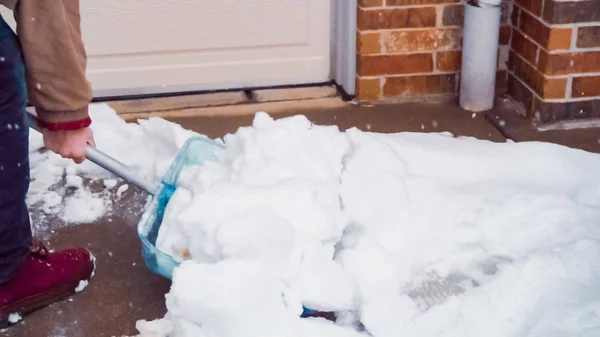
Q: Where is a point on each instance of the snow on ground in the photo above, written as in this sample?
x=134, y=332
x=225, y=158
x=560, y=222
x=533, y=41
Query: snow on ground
x=400, y=235
x=62, y=192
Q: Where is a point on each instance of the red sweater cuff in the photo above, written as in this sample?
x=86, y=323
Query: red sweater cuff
x=65, y=126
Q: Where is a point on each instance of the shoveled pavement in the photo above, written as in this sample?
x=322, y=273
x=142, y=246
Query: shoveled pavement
x=124, y=290
x=584, y=135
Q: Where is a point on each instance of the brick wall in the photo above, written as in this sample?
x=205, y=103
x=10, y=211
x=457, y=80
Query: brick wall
x=555, y=59
x=413, y=47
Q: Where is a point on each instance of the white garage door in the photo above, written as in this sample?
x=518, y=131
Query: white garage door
x=151, y=46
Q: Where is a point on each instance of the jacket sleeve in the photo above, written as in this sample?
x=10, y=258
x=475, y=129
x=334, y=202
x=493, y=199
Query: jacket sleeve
x=55, y=60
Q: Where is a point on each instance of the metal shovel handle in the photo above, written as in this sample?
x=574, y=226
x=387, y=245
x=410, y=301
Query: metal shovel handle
x=110, y=164
x=119, y=169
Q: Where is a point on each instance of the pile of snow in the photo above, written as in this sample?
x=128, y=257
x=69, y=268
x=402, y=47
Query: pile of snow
x=272, y=197
x=399, y=235
x=232, y=298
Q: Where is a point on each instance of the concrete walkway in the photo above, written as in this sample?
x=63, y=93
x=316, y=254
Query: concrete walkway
x=124, y=291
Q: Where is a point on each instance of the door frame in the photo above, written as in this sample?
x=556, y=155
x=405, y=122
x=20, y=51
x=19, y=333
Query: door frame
x=343, y=44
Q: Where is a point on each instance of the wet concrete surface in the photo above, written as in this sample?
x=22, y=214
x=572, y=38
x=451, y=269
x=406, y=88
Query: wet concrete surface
x=513, y=126
x=386, y=118
x=124, y=290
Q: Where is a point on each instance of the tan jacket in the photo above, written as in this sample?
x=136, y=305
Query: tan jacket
x=55, y=58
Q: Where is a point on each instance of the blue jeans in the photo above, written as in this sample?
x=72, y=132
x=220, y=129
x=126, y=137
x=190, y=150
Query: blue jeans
x=15, y=229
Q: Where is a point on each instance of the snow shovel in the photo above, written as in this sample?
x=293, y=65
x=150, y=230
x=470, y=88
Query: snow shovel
x=195, y=151
x=110, y=164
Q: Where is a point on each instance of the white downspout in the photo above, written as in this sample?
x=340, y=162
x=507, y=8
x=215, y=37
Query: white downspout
x=480, y=54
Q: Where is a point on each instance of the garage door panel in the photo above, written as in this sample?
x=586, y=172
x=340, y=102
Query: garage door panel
x=190, y=58
x=215, y=76
x=146, y=26
x=154, y=46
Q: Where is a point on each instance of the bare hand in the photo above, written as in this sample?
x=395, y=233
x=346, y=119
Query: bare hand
x=69, y=144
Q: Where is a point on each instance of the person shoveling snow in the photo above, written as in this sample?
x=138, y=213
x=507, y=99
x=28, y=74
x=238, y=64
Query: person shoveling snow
x=53, y=78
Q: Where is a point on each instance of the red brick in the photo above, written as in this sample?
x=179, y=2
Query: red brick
x=515, y=16
x=419, y=2
x=524, y=47
x=588, y=37
x=419, y=85
x=569, y=63
x=370, y=3
x=376, y=65
x=449, y=60
x=417, y=17
x=422, y=40
x=369, y=43
x=588, y=86
x=553, y=87
x=559, y=39
x=549, y=38
x=552, y=112
x=368, y=89
x=521, y=93
x=534, y=6
x=453, y=15
x=501, y=81
x=505, y=32
x=571, y=11
x=546, y=88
